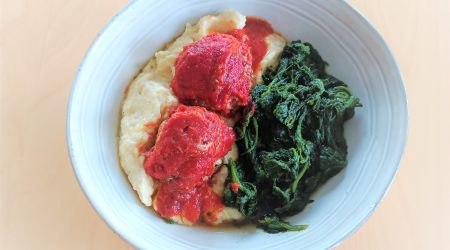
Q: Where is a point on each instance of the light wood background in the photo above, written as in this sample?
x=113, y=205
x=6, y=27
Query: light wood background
x=41, y=205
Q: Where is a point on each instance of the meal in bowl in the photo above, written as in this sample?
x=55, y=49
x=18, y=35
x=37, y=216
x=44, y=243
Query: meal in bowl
x=230, y=122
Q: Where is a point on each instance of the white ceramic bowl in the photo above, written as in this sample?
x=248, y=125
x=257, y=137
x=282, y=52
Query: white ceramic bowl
x=357, y=54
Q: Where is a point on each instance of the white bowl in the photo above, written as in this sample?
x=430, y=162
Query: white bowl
x=357, y=54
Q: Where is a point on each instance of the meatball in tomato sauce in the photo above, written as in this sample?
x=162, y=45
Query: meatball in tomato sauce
x=182, y=160
x=214, y=72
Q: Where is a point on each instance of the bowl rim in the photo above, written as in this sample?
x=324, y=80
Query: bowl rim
x=128, y=238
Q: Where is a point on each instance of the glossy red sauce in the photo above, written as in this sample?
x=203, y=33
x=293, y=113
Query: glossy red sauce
x=257, y=30
x=182, y=160
x=190, y=204
x=214, y=72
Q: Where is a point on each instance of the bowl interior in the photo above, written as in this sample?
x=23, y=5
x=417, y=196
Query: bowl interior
x=356, y=54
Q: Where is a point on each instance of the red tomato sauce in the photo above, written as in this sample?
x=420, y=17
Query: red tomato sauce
x=214, y=72
x=190, y=204
x=257, y=30
x=182, y=161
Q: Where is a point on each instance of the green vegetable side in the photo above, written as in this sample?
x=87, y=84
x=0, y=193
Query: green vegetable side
x=291, y=140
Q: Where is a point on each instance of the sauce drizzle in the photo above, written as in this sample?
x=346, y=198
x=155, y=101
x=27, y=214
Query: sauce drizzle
x=257, y=30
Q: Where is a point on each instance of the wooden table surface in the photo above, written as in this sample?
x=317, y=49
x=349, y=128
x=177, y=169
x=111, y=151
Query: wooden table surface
x=42, y=206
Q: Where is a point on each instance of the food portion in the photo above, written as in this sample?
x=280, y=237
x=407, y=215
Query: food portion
x=148, y=99
x=214, y=72
x=218, y=71
x=292, y=139
x=182, y=161
x=228, y=123
x=188, y=144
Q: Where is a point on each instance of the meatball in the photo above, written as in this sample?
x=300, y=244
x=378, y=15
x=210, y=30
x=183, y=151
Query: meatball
x=214, y=72
x=182, y=161
x=187, y=146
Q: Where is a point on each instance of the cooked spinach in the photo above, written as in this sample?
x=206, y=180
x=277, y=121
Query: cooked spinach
x=291, y=139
